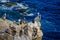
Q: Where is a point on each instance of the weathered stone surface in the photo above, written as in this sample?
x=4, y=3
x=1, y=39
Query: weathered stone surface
x=4, y=24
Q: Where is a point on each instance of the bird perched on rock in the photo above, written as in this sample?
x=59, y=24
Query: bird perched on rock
x=4, y=16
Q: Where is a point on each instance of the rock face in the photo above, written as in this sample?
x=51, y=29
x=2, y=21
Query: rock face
x=4, y=24
x=13, y=28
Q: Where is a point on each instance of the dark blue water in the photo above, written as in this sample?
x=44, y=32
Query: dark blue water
x=50, y=21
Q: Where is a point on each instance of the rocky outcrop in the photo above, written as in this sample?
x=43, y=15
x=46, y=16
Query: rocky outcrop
x=14, y=28
x=4, y=24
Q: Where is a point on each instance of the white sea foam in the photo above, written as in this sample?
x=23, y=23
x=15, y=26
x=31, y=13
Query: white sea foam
x=22, y=6
x=30, y=14
x=4, y=0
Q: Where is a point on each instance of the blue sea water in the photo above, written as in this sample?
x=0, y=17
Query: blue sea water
x=50, y=12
